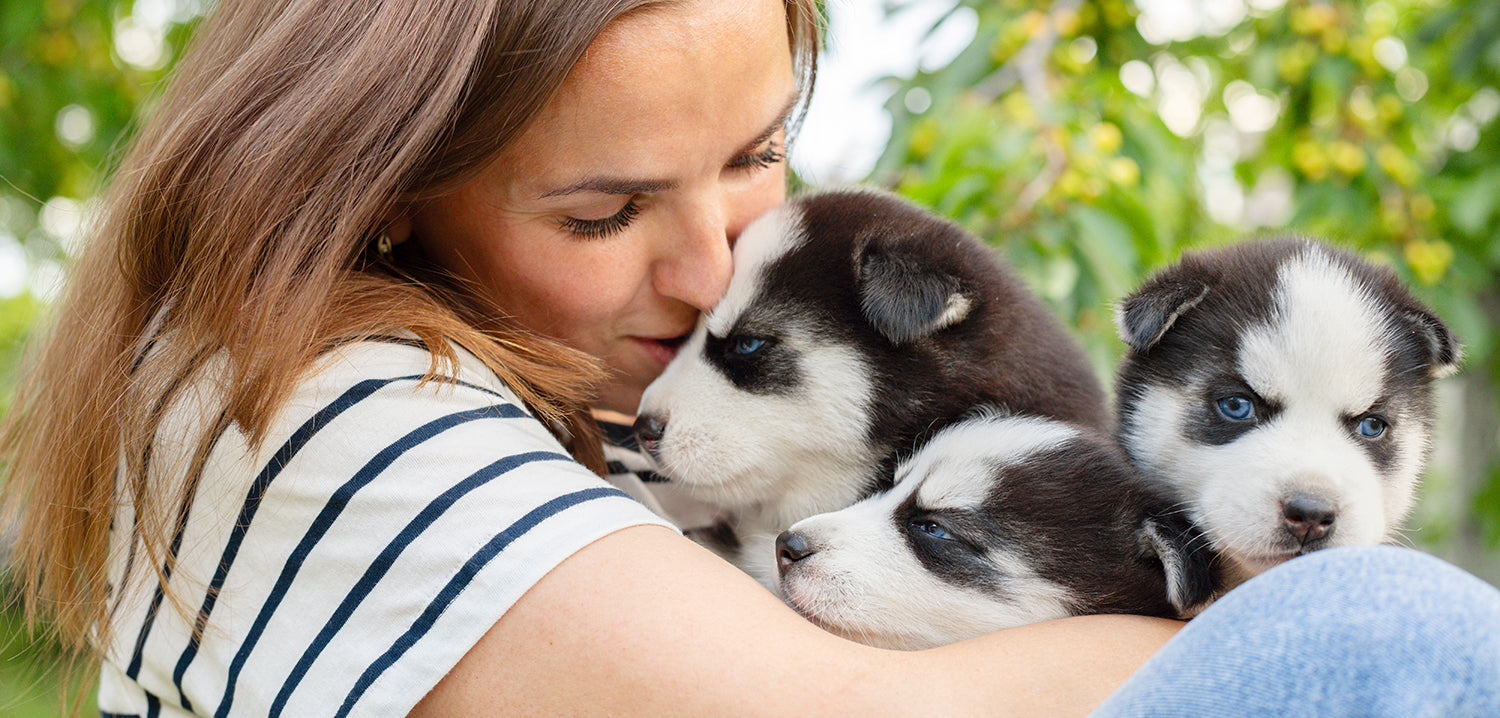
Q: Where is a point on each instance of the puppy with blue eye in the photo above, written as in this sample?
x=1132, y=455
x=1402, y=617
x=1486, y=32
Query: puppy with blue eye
x=998, y=521
x=1282, y=391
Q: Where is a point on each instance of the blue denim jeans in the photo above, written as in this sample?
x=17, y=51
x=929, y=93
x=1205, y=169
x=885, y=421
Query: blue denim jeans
x=1374, y=631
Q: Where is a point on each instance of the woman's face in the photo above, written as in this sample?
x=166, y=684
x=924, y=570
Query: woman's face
x=608, y=223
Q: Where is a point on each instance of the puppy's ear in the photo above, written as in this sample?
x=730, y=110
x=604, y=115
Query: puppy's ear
x=1443, y=349
x=1186, y=558
x=1144, y=317
x=905, y=298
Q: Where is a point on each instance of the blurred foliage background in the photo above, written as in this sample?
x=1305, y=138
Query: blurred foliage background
x=1092, y=140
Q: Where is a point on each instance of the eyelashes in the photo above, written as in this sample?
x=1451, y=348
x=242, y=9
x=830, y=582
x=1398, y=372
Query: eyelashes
x=772, y=154
x=601, y=228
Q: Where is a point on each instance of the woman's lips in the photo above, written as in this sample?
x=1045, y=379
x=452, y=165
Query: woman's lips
x=663, y=349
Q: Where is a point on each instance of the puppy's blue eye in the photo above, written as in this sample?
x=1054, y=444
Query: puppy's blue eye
x=933, y=529
x=1237, y=408
x=745, y=346
x=1371, y=427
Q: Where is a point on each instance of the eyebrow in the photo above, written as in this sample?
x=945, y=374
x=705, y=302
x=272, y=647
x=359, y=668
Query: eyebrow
x=611, y=185
x=621, y=186
x=779, y=123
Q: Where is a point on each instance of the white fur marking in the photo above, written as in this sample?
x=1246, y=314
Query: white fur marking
x=954, y=466
x=764, y=241
x=1323, y=346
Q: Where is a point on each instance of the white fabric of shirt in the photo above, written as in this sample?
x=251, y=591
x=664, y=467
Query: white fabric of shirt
x=343, y=567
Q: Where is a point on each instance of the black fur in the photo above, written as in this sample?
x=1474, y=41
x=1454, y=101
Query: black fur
x=1065, y=527
x=1083, y=517
x=960, y=560
x=877, y=271
x=769, y=369
x=1208, y=426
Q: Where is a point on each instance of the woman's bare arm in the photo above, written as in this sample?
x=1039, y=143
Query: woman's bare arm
x=644, y=622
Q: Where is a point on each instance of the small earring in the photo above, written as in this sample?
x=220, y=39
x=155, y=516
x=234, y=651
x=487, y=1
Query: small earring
x=383, y=246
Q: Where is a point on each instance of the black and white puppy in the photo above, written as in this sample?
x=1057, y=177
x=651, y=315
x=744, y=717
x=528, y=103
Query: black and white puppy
x=1282, y=390
x=854, y=327
x=998, y=521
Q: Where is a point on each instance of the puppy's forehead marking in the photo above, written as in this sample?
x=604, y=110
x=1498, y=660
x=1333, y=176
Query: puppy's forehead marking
x=955, y=468
x=1323, y=343
x=766, y=239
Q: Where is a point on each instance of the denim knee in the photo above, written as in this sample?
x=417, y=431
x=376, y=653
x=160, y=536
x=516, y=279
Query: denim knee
x=1369, y=631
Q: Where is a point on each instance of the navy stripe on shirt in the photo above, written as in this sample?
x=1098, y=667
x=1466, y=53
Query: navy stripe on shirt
x=169, y=563
x=189, y=492
x=461, y=580
x=387, y=558
x=304, y=433
x=283, y=456
x=330, y=512
x=299, y=438
x=158, y=411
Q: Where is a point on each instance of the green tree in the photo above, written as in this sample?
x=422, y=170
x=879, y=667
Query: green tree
x=73, y=75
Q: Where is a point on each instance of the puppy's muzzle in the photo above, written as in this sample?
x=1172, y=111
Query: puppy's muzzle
x=791, y=547
x=649, y=429
x=1307, y=517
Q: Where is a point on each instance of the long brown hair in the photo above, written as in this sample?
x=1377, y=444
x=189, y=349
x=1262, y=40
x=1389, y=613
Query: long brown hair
x=240, y=224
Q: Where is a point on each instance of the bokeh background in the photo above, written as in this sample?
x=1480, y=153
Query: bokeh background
x=1091, y=141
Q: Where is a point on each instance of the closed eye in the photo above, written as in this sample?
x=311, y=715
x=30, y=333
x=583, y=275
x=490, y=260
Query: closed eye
x=605, y=227
x=767, y=148
x=771, y=154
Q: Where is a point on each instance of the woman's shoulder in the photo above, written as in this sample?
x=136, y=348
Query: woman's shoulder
x=399, y=380
x=385, y=520
x=387, y=399
x=403, y=359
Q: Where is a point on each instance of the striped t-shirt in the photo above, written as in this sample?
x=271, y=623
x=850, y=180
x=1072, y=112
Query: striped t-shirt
x=343, y=567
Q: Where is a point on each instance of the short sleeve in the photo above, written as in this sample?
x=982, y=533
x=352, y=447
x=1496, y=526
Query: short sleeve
x=345, y=565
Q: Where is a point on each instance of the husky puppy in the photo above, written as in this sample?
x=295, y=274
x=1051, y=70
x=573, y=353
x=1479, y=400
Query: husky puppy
x=1281, y=389
x=997, y=522
x=854, y=327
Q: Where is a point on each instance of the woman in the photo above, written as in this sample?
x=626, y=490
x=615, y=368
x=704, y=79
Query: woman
x=311, y=433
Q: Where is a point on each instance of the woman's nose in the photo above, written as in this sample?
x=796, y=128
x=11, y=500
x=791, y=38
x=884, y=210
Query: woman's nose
x=700, y=272
x=698, y=265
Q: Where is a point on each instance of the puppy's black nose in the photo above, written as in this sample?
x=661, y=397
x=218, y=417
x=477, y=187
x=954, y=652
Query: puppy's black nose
x=791, y=547
x=649, y=429
x=1308, y=517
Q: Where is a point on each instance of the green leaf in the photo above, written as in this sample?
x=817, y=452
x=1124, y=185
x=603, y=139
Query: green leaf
x=1104, y=241
x=1475, y=202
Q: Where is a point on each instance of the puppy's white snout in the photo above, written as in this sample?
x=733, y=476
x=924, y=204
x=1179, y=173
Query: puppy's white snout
x=791, y=547
x=1308, y=517
x=649, y=430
